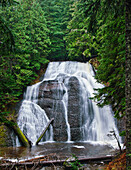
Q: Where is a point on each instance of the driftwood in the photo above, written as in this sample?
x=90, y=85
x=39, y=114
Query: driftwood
x=40, y=162
x=44, y=131
x=112, y=133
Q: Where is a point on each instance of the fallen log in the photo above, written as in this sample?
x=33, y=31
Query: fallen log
x=60, y=162
x=44, y=131
x=23, y=139
x=21, y=136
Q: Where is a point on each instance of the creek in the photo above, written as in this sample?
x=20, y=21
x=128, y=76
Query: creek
x=80, y=127
x=57, y=151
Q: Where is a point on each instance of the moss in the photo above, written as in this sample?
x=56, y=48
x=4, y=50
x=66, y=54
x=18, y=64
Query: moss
x=21, y=136
x=3, y=135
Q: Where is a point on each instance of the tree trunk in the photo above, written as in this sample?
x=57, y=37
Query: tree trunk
x=47, y=126
x=128, y=84
x=23, y=139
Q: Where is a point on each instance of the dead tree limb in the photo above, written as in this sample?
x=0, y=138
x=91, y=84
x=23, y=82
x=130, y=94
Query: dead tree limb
x=44, y=131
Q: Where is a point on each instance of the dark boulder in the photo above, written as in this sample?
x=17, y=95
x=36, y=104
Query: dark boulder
x=51, y=89
x=74, y=108
x=50, y=99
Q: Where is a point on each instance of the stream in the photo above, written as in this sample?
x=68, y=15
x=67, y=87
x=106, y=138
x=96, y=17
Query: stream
x=56, y=151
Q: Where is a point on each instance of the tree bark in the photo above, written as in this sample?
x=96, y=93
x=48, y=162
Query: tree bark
x=23, y=139
x=128, y=84
x=47, y=126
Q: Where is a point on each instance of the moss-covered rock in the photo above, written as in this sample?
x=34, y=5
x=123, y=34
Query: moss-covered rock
x=5, y=136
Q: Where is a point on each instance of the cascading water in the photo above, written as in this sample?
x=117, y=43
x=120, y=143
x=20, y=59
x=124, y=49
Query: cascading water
x=32, y=119
x=95, y=123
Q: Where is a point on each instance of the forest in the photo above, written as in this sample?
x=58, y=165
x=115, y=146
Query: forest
x=35, y=32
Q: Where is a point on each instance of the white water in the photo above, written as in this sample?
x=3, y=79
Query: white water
x=96, y=122
x=32, y=118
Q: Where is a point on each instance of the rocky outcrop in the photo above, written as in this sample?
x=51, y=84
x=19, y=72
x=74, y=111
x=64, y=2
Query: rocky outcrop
x=121, y=124
x=73, y=108
x=51, y=89
x=51, y=100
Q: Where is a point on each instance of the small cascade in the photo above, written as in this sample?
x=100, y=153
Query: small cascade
x=52, y=98
x=32, y=118
x=65, y=103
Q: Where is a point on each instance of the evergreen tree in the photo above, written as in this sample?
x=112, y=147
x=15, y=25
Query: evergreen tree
x=110, y=45
x=61, y=30
x=98, y=28
x=5, y=3
x=57, y=15
x=18, y=68
x=128, y=85
x=80, y=38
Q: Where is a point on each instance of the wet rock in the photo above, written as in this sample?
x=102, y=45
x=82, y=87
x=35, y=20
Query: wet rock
x=46, y=103
x=51, y=100
x=51, y=89
x=55, y=109
x=73, y=102
x=121, y=124
x=75, y=134
x=60, y=134
x=6, y=136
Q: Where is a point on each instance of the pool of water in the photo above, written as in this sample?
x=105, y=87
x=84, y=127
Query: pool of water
x=57, y=151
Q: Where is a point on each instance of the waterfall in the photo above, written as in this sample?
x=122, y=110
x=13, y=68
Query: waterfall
x=94, y=122
x=65, y=103
x=32, y=118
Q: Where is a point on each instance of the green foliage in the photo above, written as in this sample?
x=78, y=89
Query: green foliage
x=57, y=16
x=80, y=39
x=32, y=32
x=97, y=28
x=6, y=37
x=28, y=25
x=74, y=165
x=123, y=133
x=24, y=24
x=5, y=3
x=111, y=49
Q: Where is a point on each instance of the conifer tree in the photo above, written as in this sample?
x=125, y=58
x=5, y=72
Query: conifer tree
x=98, y=28
x=57, y=16
x=26, y=23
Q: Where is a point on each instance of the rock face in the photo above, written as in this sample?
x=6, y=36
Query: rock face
x=51, y=94
x=6, y=136
x=73, y=108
